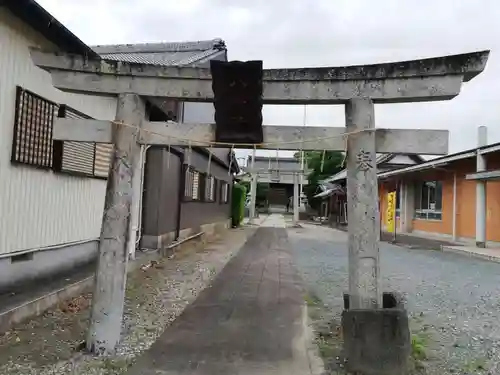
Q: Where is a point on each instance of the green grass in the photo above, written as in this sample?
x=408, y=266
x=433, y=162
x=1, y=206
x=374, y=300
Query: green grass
x=312, y=300
x=418, y=347
x=115, y=365
x=326, y=348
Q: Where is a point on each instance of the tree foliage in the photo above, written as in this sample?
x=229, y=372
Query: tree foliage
x=262, y=191
x=238, y=204
x=322, y=165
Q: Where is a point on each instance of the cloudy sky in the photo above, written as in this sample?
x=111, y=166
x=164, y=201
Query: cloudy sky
x=298, y=33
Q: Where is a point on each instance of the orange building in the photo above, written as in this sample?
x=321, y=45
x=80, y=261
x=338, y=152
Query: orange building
x=456, y=197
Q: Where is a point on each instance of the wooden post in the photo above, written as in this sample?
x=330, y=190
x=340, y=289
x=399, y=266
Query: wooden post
x=363, y=211
x=110, y=279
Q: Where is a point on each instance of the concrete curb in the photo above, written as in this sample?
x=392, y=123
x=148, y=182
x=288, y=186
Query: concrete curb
x=39, y=305
x=470, y=254
x=316, y=364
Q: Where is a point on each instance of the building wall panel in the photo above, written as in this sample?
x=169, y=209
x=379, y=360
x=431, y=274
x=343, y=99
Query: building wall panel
x=195, y=214
x=40, y=208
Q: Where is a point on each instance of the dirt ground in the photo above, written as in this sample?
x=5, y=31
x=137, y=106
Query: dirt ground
x=156, y=294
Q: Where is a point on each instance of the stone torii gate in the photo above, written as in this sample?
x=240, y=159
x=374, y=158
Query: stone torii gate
x=297, y=176
x=356, y=87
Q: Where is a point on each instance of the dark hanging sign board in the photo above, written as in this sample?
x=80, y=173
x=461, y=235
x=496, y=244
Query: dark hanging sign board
x=237, y=90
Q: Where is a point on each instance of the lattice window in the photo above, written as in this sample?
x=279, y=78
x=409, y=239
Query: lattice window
x=32, y=138
x=196, y=186
x=33, y=142
x=210, y=189
x=192, y=185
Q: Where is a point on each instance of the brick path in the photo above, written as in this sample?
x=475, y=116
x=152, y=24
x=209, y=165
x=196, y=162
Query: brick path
x=250, y=321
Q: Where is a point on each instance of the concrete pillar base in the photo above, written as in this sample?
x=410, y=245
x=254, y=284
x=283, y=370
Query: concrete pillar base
x=377, y=342
x=481, y=245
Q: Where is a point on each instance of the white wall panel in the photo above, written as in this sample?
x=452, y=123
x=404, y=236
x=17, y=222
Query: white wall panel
x=39, y=208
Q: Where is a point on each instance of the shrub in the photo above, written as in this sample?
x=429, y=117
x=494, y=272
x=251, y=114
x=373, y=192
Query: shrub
x=238, y=204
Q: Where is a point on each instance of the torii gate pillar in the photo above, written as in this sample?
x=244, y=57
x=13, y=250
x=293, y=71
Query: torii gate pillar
x=362, y=192
x=111, y=274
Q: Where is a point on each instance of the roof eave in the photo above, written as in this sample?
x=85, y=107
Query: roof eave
x=33, y=14
x=495, y=147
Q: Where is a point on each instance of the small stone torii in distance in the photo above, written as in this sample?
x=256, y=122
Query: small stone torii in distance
x=356, y=87
x=255, y=173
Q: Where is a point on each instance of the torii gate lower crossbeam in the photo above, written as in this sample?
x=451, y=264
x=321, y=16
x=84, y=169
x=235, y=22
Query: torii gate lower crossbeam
x=363, y=142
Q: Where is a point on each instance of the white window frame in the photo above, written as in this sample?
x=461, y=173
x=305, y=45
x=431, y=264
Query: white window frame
x=431, y=214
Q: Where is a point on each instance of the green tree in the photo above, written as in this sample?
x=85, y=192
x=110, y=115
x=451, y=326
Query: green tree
x=246, y=184
x=262, y=191
x=322, y=165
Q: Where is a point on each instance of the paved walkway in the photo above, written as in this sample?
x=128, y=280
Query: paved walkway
x=415, y=241
x=251, y=321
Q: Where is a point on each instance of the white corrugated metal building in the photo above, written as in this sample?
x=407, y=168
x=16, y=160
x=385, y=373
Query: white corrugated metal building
x=46, y=203
x=52, y=193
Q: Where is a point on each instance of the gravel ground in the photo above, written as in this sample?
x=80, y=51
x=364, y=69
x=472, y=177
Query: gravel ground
x=453, y=300
x=49, y=344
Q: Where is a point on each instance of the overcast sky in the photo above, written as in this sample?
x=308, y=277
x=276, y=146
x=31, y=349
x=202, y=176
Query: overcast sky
x=298, y=33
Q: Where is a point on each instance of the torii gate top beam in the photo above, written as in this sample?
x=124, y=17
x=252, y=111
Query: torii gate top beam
x=430, y=79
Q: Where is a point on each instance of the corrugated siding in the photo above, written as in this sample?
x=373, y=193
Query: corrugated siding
x=40, y=208
x=103, y=154
x=78, y=157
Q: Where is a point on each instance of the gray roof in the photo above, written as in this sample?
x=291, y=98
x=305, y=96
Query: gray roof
x=381, y=158
x=165, y=54
x=329, y=189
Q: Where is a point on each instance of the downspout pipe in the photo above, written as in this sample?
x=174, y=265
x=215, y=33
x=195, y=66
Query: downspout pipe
x=482, y=140
x=180, y=193
x=141, y=196
x=133, y=224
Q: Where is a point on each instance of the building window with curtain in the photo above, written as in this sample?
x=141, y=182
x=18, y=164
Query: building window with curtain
x=429, y=200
